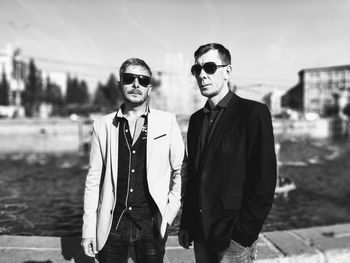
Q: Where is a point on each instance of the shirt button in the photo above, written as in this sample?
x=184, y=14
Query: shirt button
x=132, y=170
x=131, y=190
x=134, y=151
x=130, y=208
x=126, y=130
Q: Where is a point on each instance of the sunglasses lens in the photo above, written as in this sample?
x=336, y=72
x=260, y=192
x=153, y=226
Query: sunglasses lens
x=196, y=70
x=144, y=80
x=130, y=78
x=210, y=67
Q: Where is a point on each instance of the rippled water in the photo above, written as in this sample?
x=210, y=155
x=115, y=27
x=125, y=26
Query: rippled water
x=42, y=194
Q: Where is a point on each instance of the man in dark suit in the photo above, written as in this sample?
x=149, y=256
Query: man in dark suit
x=232, y=166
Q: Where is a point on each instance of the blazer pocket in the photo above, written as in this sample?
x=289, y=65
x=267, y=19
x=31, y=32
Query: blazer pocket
x=160, y=136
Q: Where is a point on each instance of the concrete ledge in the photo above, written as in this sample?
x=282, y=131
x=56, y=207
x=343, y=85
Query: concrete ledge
x=312, y=245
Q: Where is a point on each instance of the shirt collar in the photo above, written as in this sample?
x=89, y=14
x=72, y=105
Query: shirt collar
x=119, y=115
x=223, y=103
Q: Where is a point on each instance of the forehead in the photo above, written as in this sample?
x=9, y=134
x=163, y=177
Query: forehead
x=136, y=69
x=211, y=56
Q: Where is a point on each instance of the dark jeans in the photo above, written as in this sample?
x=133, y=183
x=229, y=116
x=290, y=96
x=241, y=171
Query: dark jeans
x=147, y=243
x=202, y=252
x=235, y=253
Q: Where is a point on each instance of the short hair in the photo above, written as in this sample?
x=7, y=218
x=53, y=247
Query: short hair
x=223, y=52
x=134, y=62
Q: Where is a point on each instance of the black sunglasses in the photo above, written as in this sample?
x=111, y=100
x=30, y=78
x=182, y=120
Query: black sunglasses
x=209, y=68
x=129, y=78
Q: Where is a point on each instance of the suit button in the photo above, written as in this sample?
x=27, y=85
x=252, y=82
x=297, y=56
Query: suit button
x=200, y=210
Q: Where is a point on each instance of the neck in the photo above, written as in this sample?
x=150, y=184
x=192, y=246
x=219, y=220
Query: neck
x=213, y=101
x=131, y=111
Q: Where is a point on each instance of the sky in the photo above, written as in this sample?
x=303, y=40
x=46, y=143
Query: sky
x=270, y=41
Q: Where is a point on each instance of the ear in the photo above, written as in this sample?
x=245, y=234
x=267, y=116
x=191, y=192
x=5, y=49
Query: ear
x=227, y=72
x=149, y=89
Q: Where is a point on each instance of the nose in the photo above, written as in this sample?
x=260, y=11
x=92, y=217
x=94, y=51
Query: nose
x=202, y=74
x=136, y=83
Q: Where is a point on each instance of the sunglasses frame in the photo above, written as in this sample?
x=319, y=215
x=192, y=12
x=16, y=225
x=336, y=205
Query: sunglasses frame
x=140, y=78
x=196, y=73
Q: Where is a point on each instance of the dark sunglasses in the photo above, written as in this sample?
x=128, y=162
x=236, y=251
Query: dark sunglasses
x=209, y=68
x=129, y=78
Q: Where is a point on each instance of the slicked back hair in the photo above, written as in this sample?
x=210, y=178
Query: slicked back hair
x=134, y=62
x=223, y=52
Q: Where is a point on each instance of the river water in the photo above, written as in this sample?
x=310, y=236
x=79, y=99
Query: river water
x=42, y=194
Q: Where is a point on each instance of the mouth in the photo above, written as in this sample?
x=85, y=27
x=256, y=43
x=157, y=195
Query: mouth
x=135, y=93
x=203, y=86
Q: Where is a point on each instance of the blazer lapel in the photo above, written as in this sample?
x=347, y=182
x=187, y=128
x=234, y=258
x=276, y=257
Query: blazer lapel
x=196, y=139
x=151, y=126
x=114, y=138
x=224, y=122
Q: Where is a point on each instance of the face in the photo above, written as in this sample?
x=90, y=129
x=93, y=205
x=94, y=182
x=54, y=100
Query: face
x=134, y=92
x=212, y=85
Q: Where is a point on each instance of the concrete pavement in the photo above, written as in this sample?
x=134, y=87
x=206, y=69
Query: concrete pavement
x=328, y=244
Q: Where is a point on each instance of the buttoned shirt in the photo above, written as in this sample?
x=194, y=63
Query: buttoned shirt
x=133, y=198
x=212, y=117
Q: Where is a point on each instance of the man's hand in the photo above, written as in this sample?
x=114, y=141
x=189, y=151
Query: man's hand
x=185, y=239
x=89, y=245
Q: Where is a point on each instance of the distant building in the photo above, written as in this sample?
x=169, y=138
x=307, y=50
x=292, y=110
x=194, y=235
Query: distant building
x=319, y=89
x=270, y=94
x=177, y=91
x=15, y=70
x=273, y=101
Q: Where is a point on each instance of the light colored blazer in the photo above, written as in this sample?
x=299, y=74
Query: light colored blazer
x=164, y=162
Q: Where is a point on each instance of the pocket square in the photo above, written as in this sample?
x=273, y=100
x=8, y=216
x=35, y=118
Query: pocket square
x=160, y=136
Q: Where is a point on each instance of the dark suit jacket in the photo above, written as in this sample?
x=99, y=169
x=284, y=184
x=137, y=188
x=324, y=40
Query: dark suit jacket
x=236, y=173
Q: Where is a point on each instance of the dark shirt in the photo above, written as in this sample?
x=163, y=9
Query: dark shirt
x=212, y=117
x=133, y=198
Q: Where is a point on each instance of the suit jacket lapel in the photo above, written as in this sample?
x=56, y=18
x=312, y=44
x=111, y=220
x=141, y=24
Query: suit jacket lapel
x=224, y=122
x=196, y=139
x=114, y=134
x=151, y=126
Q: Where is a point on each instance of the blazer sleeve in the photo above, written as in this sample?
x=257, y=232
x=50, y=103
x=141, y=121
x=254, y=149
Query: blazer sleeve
x=261, y=176
x=92, y=185
x=177, y=159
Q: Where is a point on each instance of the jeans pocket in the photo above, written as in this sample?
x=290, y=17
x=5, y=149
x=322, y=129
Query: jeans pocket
x=236, y=244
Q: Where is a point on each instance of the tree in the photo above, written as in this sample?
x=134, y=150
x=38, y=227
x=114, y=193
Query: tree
x=53, y=96
x=32, y=94
x=77, y=91
x=346, y=110
x=107, y=97
x=112, y=92
x=83, y=92
x=4, y=90
x=100, y=101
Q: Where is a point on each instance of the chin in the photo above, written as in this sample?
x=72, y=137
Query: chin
x=206, y=93
x=135, y=102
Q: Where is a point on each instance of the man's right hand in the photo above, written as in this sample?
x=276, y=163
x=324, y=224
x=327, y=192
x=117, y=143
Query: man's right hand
x=89, y=245
x=185, y=239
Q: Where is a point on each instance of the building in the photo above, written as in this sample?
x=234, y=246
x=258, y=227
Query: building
x=320, y=90
x=177, y=91
x=15, y=69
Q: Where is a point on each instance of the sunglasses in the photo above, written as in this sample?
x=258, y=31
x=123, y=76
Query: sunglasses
x=209, y=68
x=129, y=78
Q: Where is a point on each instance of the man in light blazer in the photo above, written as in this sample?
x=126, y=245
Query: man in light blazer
x=231, y=166
x=133, y=187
